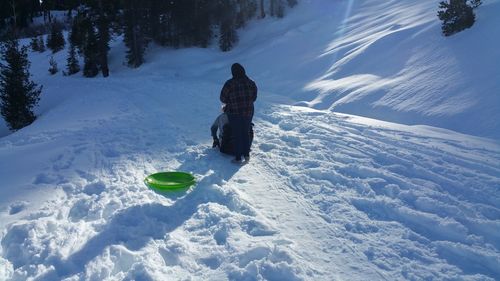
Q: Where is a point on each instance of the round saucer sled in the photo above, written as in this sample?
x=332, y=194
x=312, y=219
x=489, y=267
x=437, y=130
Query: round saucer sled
x=169, y=180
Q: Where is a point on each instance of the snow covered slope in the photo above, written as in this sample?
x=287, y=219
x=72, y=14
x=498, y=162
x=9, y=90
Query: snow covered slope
x=326, y=196
x=387, y=60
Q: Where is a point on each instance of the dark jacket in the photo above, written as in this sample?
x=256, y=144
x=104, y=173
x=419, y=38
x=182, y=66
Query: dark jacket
x=239, y=93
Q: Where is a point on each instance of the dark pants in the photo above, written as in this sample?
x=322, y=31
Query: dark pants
x=240, y=125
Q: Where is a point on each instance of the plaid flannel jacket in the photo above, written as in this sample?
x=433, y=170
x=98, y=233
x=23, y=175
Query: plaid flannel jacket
x=239, y=94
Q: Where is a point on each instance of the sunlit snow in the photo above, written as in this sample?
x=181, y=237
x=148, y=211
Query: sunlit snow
x=376, y=157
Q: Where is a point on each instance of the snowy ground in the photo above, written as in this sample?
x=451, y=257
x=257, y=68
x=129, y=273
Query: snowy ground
x=326, y=196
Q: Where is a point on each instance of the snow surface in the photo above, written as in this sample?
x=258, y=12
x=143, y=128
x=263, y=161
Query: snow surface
x=326, y=196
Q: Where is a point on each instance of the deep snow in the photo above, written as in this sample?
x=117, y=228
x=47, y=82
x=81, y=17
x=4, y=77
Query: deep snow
x=326, y=196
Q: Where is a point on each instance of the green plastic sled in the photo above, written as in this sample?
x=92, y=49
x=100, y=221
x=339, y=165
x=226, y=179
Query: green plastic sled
x=169, y=180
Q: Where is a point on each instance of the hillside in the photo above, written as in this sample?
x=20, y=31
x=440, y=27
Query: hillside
x=383, y=60
x=328, y=194
x=386, y=60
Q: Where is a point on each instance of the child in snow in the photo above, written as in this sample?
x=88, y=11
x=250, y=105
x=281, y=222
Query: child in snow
x=224, y=139
x=220, y=122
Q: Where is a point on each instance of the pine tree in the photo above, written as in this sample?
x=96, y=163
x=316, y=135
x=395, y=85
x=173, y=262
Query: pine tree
x=154, y=23
x=20, y=13
x=182, y=27
x=34, y=44
x=134, y=32
x=102, y=13
x=475, y=3
x=72, y=65
x=18, y=94
x=292, y=3
x=103, y=38
x=90, y=51
x=262, y=10
x=202, y=31
x=41, y=44
x=76, y=35
x=55, y=41
x=280, y=9
x=456, y=16
x=228, y=36
x=272, y=7
x=277, y=8
x=246, y=10
x=53, y=69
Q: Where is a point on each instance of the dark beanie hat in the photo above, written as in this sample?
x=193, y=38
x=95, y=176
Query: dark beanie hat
x=238, y=71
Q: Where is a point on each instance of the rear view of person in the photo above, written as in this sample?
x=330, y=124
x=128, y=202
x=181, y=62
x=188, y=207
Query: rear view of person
x=239, y=94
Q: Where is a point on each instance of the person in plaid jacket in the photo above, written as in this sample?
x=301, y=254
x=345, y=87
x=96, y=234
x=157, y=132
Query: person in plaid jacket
x=239, y=93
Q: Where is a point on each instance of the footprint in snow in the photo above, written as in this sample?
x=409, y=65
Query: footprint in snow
x=274, y=255
x=17, y=207
x=241, y=181
x=110, y=152
x=79, y=211
x=86, y=176
x=63, y=161
x=292, y=141
x=256, y=228
x=94, y=188
x=287, y=126
x=213, y=262
x=266, y=147
x=45, y=179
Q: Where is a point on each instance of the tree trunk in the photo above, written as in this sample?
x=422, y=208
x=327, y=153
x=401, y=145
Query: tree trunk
x=262, y=12
x=103, y=41
x=13, y=5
